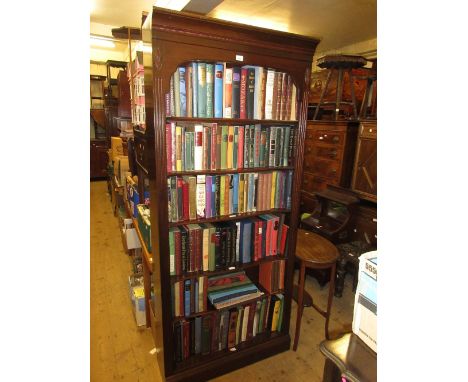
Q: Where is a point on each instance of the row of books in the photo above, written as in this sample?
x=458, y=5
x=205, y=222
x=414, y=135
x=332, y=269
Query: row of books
x=271, y=275
x=189, y=296
x=209, y=196
x=207, y=90
x=220, y=147
x=227, y=328
x=209, y=247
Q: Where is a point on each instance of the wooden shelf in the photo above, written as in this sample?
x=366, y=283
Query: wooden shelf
x=236, y=268
x=225, y=218
x=231, y=121
x=229, y=171
x=148, y=257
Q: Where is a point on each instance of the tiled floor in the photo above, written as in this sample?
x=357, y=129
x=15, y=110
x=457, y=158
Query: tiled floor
x=120, y=351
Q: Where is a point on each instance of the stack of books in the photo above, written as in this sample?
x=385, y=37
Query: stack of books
x=231, y=289
x=209, y=247
x=210, y=146
x=209, y=196
x=220, y=90
x=227, y=328
x=271, y=275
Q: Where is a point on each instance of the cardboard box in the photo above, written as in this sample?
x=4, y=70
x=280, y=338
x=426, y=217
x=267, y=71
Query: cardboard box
x=116, y=147
x=365, y=303
x=137, y=296
x=144, y=224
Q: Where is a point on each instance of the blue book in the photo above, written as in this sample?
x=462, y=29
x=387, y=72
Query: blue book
x=246, y=235
x=237, y=291
x=251, y=192
x=201, y=97
x=218, y=91
x=208, y=187
x=194, y=89
x=213, y=197
x=187, y=298
x=196, y=295
x=235, y=194
x=182, y=92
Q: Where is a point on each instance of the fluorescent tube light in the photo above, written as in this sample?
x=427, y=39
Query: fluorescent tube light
x=176, y=5
x=102, y=42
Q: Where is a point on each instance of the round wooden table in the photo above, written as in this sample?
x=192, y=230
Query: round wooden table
x=315, y=252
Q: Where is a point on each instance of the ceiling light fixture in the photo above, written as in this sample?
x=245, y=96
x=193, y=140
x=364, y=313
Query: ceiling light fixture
x=176, y=5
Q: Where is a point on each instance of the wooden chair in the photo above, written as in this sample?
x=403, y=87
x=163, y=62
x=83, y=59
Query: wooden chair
x=315, y=252
x=339, y=62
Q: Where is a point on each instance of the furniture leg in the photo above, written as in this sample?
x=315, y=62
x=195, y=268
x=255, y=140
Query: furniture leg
x=330, y=299
x=340, y=276
x=339, y=91
x=300, y=304
x=353, y=96
x=323, y=94
x=147, y=289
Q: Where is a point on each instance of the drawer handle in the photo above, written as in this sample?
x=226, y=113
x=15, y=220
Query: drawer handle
x=306, y=182
x=336, y=139
x=309, y=149
x=320, y=137
x=333, y=154
x=333, y=170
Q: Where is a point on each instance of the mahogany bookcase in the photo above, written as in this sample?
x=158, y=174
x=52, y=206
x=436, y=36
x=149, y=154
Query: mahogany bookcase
x=177, y=38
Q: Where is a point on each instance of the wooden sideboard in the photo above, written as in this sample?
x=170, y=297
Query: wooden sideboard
x=328, y=158
x=98, y=159
x=364, y=181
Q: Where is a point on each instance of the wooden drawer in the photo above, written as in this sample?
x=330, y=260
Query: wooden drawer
x=312, y=183
x=329, y=137
x=368, y=130
x=328, y=169
x=324, y=152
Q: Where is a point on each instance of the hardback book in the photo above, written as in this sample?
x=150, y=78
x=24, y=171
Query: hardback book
x=233, y=314
x=172, y=97
x=201, y=200
x=169, y=164
x=246, y=145
x=187, y=297
x=206, y=334
x=208, y=191
x=206, y=147
x=213, y=146
x=270, y=77
x=209, y=90
x=224, y=146
x=188, y=90
x=253, y=308
x=201, y=101
x=257, y=138
x=262, y=93
x=182, y=92
x=218, y=91
x=227, y=93
x=245, y=322
x=236, y=80
x=240, y=147
x=243, y=93
x=223, y=329
x=192, y=182
x=178, y=148
x=194, y=87
x=279, y=88
x=250, y=96
x=284, y=94
x=177, y=93
x=257, y=114
x=287, y=130
x=293, y=115
x=288, y=97
x=230, y=147
x=256, y=318
x=240, y=313
x=198, y=153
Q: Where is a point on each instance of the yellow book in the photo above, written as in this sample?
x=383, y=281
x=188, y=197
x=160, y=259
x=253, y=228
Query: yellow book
x=241, y=193
x=221, y=194
x=273, y=189
x=274, y=322
x=230, y=146
x=178, y=148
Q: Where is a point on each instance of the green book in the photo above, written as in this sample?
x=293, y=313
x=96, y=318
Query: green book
x=280, y=316
x=201, y=101
x=171, y=252
x=235, y=147
x=209, y=90
x=224, y=143
x=262, y=316
x=287, y=130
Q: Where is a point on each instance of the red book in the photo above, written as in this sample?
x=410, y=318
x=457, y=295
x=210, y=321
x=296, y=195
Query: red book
x=240, y=147
x=186, y=331
x=274, y=235
x=268, y=238
x=282, y=265
x=288, y=98
x=178, y=250
x=284, y=235
x=185, y=197
x=264, y=275
x=275, y=95
x=253, y=307
x=243, y=92
x=213, y=146
x=284, y=94
x=206, y=155
x=169, y=147
x=232, y=328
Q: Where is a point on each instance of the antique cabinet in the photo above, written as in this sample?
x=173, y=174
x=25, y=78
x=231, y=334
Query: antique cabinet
x=364, y=181
x=98, y=159
x=328, y=158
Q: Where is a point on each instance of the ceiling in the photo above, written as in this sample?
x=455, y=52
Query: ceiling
x=337, y=23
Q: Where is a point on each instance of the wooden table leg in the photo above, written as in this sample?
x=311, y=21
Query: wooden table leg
x=300, y=304
x=331, y=291
x=147, y=289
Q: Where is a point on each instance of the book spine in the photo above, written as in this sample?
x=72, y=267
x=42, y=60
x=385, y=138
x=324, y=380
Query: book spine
x=209, y=90
x=284, y=94
x=218, y=91
x=219, y=141
x=194, y=80
x=206, y=147
x=270, y=79
x=235, y=147
x=187, y=298
x=172, y=96
x=235, y=194
x=288, y=97
x=182, y=92
x=243, y=93
x=257, y=93
x=177, y=93
x=169, y=148
x=201, y=101
x=230, y=147
x=198, y=152
x=240, y=147
x=246, y=145
x=188, y=90
x=201, y=200
x=218, y=195
x=213, y=146
x=257, y=138
x=250, y=92
x=228, y=93
x=178, y=249
x=208, y=187
x=287, y=130
x=224, y=146
x=279, y=88
x=236, y=79
x=192, y=198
